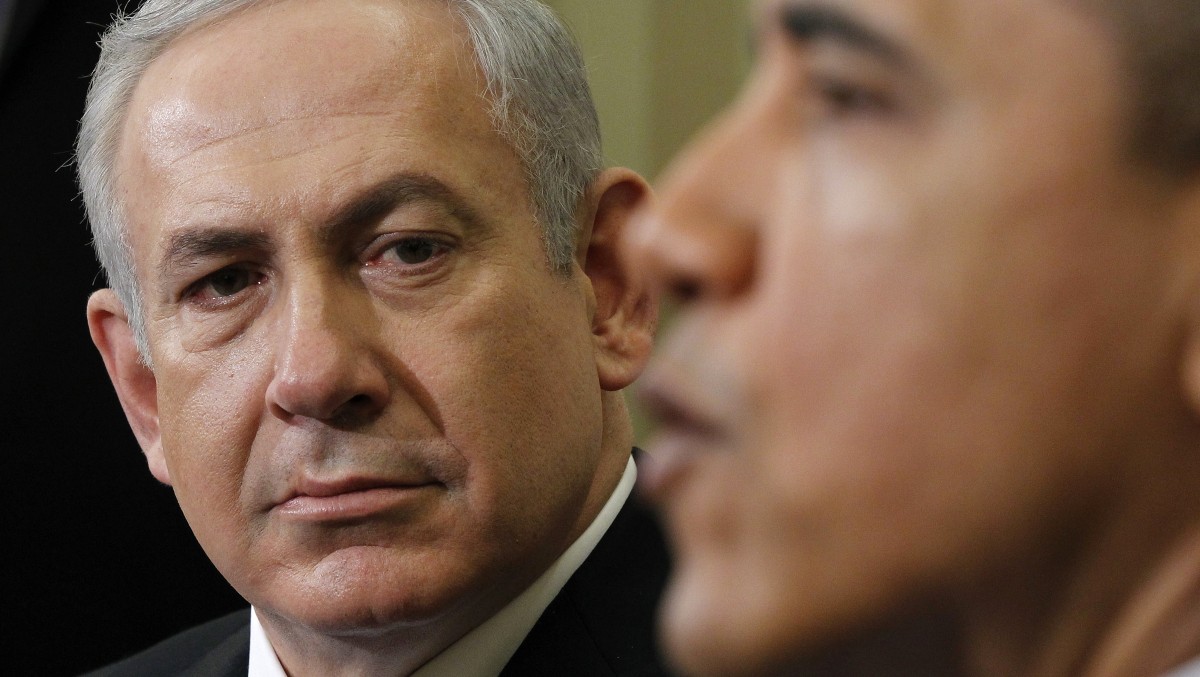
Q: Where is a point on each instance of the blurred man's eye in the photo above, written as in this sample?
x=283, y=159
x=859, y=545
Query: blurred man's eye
x=842, y=97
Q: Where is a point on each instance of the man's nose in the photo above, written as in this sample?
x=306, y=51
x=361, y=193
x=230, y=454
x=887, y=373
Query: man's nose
x=699, y=241
x=325, y=367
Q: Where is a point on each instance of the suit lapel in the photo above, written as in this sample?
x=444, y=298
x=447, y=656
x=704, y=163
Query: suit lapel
x=602, y=622
x=230, y=658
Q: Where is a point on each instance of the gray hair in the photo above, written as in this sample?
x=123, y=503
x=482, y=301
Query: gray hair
x=536, y=86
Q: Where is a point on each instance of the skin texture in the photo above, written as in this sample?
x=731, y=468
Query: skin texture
x=347, y=295
x=927, y=404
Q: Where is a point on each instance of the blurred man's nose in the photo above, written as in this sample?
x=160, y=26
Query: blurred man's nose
x=325, y=367
x=699, y=242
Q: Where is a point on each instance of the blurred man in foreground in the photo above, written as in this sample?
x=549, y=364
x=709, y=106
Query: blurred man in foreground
x=932, y=403
x=367, y=320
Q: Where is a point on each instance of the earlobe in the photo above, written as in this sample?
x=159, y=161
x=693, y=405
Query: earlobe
x=626, y=312
x=134, y=382
x=1191, y=379
x=1186, y=245
x=1190, y=362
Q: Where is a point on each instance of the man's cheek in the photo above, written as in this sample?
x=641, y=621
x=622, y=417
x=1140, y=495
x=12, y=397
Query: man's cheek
x=208, y=428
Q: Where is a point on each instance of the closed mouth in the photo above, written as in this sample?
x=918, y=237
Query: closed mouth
x=351, y=498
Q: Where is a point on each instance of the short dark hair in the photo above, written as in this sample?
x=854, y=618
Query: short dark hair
x=1160, y=44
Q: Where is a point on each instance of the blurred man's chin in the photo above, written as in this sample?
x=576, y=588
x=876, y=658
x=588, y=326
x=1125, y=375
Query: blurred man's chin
x=722, y=619
x=703, y=628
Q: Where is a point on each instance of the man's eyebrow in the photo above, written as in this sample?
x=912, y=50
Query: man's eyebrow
x=809, y=23
x=186, y=247
x=397, y=190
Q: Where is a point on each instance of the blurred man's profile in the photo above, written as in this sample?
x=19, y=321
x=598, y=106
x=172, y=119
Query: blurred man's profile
x=931, y=405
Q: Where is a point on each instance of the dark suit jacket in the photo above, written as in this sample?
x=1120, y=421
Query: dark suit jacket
x=601, y=623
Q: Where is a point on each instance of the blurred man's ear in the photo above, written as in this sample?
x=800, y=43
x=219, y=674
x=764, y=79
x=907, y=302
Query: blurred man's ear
x=1186, y=246
x=625, y=314
x=134, y=381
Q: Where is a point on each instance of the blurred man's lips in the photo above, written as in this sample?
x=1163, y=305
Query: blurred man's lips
x=682, y=434
x=351, y=498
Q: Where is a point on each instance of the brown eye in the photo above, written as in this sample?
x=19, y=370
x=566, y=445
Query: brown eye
x=845, y=98
x=416, y=250
x=229, y=281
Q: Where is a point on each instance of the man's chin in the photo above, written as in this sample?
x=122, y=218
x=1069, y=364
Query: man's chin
x=362, y=591
x=358, y=615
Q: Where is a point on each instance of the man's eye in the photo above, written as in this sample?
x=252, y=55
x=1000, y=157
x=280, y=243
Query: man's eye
x=844, y=98
x=226, y=282
x=415, y=251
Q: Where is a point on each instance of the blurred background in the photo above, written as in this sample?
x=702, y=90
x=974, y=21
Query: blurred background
x=99, y=560
x=660, y=69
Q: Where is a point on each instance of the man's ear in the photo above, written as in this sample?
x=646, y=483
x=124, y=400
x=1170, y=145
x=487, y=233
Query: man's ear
x=134, y=381
x=1185, y=223
x=626, y=313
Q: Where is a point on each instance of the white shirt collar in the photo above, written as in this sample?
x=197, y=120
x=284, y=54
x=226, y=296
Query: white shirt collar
x=1191, y=669
x=484, y=651
x=263, y=661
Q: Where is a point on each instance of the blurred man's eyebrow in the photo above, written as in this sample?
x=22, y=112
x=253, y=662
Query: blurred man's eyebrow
x=808, y=23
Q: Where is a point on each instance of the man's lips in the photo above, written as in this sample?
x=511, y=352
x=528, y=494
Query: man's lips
x=671, y=412
x=682, y=435
x=320, y=500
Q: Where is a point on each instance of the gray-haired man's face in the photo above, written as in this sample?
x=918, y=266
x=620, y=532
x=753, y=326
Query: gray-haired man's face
x=375, y=401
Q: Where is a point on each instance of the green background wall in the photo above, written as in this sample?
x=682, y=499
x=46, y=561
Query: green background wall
x=660, y=70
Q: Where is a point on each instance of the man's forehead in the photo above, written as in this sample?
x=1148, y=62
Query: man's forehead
x=297, y=60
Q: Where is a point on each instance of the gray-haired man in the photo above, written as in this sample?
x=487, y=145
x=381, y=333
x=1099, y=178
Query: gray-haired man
x=367, y=321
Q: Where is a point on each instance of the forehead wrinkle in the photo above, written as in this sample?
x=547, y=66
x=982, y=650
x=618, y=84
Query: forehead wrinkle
x=218, y=63
x=189, y=84
x=202, y=137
